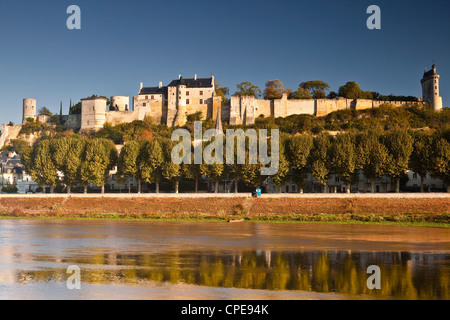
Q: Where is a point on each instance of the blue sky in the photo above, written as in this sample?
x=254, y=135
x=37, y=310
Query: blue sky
x=122, y=43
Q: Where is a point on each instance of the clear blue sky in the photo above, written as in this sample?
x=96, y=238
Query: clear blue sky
x=122, y=43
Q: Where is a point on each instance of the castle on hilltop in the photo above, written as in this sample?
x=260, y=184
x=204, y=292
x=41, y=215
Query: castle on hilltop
x=171, y=104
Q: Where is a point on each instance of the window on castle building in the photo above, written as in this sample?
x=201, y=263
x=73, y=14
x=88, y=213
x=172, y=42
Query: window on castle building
x=337, y=179
x=187, y=93
x=201, y=101
x=414, y=175
x=187, y=101
x=144, y=104
x=201, y=93
x=153, y=97
x=146, y=97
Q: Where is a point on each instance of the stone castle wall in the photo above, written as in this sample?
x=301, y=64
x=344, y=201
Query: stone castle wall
x=8, y=133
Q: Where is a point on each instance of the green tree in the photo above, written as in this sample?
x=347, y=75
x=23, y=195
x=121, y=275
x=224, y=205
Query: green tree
x=45, y=112
x=301, y=93
x=373, y=156
x=283, y=168
x=344, y=158
x=171, y=171
x=298, y=151
x=75, y=109
x=320, y=159
x=274, y=89
x=55, y=119
x=21, y=147
x=222, y=91
x=151, y=162
x=420, y=156
x=440, y=159
x=316, y=88
x=128, y=162
x=40, y=165
x=100, y=156
x=350, y=90
x=67, y=155
x=247, y=88
x=250, y=174
x=399, y=144
x=332, y=95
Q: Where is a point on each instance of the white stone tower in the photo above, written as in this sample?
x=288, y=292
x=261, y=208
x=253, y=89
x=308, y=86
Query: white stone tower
x=93, y=113
x=29, y=109
x=430, y=88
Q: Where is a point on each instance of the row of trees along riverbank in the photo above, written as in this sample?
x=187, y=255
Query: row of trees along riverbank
x=75, y=160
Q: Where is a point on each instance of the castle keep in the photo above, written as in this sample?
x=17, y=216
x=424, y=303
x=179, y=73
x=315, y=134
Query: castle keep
x=430, y=88
x=171, y=104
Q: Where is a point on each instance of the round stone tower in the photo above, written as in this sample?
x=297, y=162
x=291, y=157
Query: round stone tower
x=430, y=88
x=29, y=109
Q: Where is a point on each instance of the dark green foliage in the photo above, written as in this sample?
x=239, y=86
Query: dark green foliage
x=31, y=127
x=45, y=112
x=21, y=147
x=10, y=189
x=75, y=109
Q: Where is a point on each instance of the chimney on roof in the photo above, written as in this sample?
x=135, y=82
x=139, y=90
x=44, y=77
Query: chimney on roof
x=179, y=76
x=160, y=85
x=212, y=80
x=141, y=86
x=195, y=77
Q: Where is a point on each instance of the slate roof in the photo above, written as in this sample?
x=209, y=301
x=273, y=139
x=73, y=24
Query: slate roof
x=153, y=90
x=431, y=72
x=193, y=83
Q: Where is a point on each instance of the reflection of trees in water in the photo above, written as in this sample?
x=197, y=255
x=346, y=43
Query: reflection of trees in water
x=403, y=275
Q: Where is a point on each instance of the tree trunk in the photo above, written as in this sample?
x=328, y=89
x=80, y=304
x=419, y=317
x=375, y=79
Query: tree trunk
x=279, y=189
x=176, y=186
x=448, y=188
x=69, y=189
x=372, y=186
x=236, y=182
x=139, y=185
x=397, y=185
x=196, y=184
x=85, y=189
x=348, y=188
x=216, y=186
x=103, y=189
x=421, y=184
x=157, y=186
x=325, y=189
x=52, y=189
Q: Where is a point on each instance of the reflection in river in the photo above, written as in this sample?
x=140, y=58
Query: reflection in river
x=219, y=256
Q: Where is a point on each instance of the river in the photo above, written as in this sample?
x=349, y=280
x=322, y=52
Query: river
x=218, y=260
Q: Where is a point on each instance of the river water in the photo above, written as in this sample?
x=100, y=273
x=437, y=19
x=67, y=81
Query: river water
x=218, y=260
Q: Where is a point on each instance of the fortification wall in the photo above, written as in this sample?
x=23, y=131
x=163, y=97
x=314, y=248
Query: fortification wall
x=299, y=106
x=122, y=103
x=263, y=107
x=73, y=122
x=8, y=133
x=362, y=104
x=118, y=117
